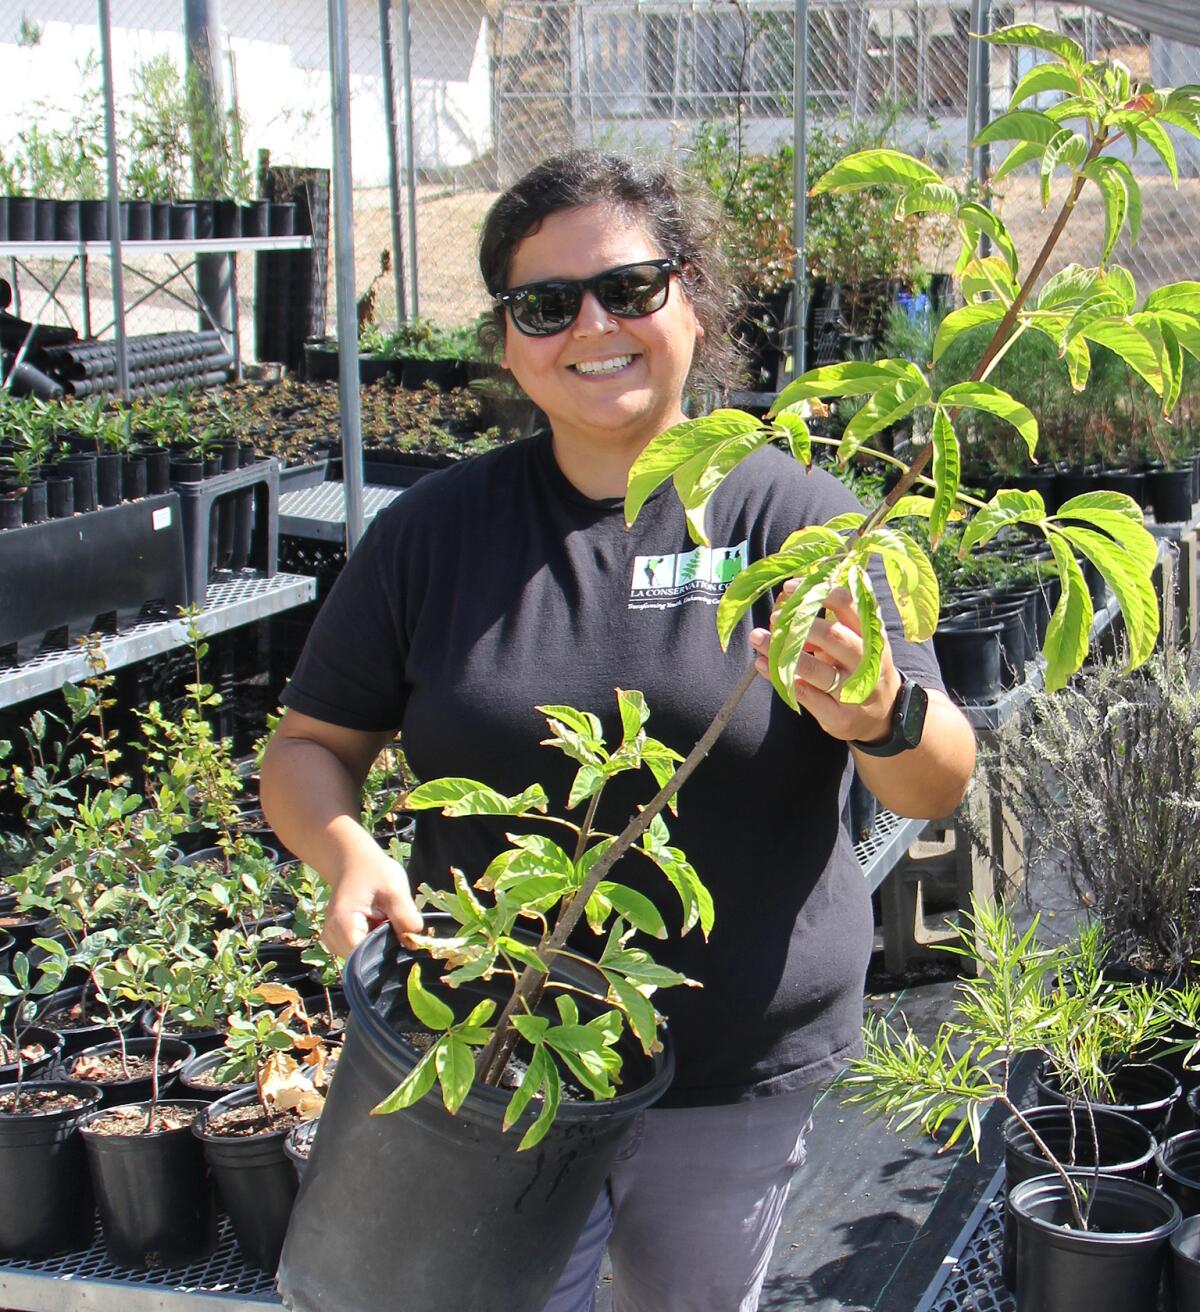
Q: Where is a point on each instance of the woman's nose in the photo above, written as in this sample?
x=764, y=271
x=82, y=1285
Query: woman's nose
x=593, y=317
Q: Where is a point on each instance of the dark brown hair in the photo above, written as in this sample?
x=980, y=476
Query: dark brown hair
x=678, y=216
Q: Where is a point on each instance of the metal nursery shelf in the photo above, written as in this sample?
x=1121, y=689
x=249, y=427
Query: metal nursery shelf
x=969, y=1278
x=90, y=1281
x=228, y=603
x=319, y=512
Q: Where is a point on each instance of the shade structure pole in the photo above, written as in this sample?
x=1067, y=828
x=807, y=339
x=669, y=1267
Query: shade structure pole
x=389, y=109
x=114, y=204
x=347, y=296
x=800, y=188
x=410, y=155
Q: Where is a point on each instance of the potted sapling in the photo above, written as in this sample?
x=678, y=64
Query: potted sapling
x=148, y=1169
x=47, y=1205
x=269, y=1049
x=155, y=959
x=1079, y=1214
x=489, y=1023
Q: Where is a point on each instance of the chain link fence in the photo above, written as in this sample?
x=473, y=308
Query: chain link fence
x=481, y=89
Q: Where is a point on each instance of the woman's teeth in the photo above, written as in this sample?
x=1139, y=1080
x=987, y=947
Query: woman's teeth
x=603, y=366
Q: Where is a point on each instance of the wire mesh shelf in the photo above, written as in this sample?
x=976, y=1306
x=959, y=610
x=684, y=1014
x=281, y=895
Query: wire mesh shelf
x=320, y=511
x=91, y=1280
x=970, y=1279
x=887, y=843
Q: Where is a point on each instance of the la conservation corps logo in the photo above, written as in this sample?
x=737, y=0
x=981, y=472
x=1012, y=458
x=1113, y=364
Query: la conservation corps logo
x=672, y=579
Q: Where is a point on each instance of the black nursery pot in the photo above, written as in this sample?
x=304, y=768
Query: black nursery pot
x=110, y=467
x=255, y=1180
x=22, y=218
x=12, y=510
x=52, y=1210
x=39, y=1067
x=93, y=220
x=87, y=1034
x=227, y=219
x=115, y=1093
x=1125, y=1148
x=160, y=219
x=158, y=470
x=183, y=222
x=134, y=484
x=34, y=508
x=482, y=1207
x=1179, y=1163
x=1170, y=494
x=82, y=471
x=198, y=1065
x=298, y=1146
x=199, y=1040
x=156, y=1204
x=1146, y=1092
x=1185, y=1265
x=968, y=653
x=66, y=220
x=137, y=215
x=1115, y=1266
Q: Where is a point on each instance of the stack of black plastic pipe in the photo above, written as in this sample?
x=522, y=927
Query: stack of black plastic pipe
x=157, y=363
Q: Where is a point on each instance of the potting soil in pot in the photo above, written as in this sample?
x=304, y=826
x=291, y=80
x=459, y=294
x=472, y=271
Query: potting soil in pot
x=107, y=1068
x=132, y=1120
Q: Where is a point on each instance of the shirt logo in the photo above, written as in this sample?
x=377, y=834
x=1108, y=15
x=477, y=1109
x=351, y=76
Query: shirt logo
x=673, y=579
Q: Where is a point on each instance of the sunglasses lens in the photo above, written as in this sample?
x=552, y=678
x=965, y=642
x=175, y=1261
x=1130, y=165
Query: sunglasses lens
x=635, y=291
x=547, y=308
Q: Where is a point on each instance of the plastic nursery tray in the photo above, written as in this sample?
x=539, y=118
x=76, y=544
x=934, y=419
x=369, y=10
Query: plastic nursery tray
x=970, y=1279
x=89, y=1280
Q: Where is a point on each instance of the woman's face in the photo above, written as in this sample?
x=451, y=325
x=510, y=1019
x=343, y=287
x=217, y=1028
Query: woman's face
x=638, y=394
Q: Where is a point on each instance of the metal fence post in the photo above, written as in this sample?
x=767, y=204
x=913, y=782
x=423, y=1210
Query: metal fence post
x=347, y=308
x=389, y=107
x=114, y=204
x=800, y=186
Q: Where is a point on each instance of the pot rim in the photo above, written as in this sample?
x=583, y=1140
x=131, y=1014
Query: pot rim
x=226, y=1102
x=115, y=1045
x=1012, y=1127
x=1052, y=1184
x=83, y=1087
x=85, y=1125
x=1185, y=1139
x=486, y=1097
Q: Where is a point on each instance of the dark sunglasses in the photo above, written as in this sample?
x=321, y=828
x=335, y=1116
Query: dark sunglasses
x=629, y=291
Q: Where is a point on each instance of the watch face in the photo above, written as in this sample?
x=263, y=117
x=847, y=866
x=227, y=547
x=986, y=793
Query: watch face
x=912, y=714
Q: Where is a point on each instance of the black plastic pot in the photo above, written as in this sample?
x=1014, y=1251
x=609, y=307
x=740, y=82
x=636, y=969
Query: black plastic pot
x=281, y=218
x=140, y=224
x=160, y=219
x=205, y=219
x=1125, y=1148
x=12, y=509
x=78, y=1037
x=227, y=219
x=198, y=1065
x=93, y=220
x=183, y=222
x=442, y=374
x=115, y=1093
x=156, y=1203
x=1115, y=1266
x=1169, y=492
x=34, y=509
x=256, y=218
x=482, y=1207
x=1144, y=1091
x=44, y=218
x=187, y=471
x=109, y=477
x=199, y=1040
x=22, y=218
x=66, y=220
x=134, y=482
x=968, y=653
x=1185, y=1265
x=39, y=1068
x=1179, y=1162
x=82, y=471
x=158, y=470
x=255, y=1181
x=52, y=1210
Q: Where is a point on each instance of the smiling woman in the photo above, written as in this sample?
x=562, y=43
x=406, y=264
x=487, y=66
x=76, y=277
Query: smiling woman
x=512, y=581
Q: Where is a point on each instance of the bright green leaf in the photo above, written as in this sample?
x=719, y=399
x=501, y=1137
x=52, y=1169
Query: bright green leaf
x=1020, y=125
x=947, y=469
x=431, y=1011
x=961, y=320
x=993, y=400
x=1034, y=37
x=415, y=1085
x=875, y=168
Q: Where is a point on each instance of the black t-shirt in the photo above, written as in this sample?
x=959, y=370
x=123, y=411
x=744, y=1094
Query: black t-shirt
x=496, y=586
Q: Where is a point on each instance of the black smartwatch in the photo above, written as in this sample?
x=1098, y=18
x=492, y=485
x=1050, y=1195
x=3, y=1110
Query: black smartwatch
x=908, y=722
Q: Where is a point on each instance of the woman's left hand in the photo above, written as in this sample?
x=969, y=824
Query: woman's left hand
x=831, y=655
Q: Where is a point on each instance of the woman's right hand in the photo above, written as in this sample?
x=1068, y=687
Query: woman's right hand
x=372, y=890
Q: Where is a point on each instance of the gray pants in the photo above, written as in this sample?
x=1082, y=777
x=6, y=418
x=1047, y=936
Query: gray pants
x=692, y=1208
